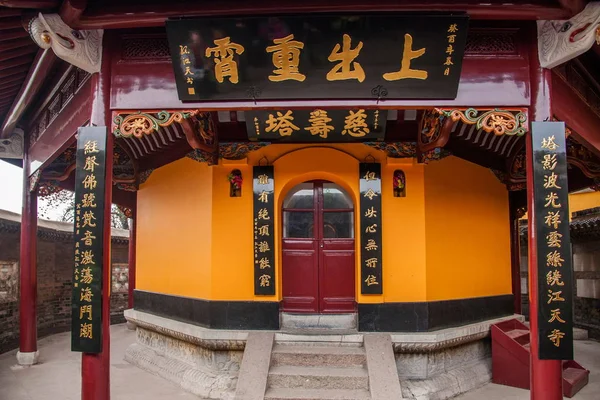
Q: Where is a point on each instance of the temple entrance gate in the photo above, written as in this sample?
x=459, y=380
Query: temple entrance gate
x=318, y=249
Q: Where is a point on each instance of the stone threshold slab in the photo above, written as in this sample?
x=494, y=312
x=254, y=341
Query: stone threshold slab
x=217, y=339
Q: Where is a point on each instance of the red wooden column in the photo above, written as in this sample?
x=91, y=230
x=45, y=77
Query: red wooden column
x=132, y=252
x=546, y=375
x=28, y=354
x=95, y=368
x=515, y=252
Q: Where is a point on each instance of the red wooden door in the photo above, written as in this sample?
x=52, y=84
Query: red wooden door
x=318, y=249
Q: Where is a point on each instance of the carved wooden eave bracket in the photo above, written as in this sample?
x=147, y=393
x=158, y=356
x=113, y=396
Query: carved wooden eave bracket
x=493, y=130
x=562, y=40
x=577, y=156
x=12, y=147
x=82, y=49
x=395, y=149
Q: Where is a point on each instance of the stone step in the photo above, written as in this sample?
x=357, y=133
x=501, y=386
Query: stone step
x=318, y=356
x=317, y=394
x=318, y=377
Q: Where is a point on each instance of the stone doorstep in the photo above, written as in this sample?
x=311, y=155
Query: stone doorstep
x=218, y=339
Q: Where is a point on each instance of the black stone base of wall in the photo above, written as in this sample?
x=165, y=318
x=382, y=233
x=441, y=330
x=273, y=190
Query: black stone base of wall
x=250, y=315
x=387, y=317
x=433, y=315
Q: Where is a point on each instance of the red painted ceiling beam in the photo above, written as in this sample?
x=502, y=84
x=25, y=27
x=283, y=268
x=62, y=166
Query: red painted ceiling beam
x=573, y=6
x=7, y=12
x=10, y=23
x=15, y=44
x=127, y=15
x=13, y=34
x=16, y=62
x=43, y=62
x=30, y=3
x=23, y=51
x=71, y=10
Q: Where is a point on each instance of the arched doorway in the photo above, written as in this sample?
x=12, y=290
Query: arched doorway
x=318, y=249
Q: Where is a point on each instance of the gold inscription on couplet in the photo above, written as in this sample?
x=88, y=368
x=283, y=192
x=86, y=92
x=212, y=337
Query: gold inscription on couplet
x=85, y=331
x=264, y=263
x=408, y=55
x=371, y=228
x=551, y=200
x=265, y=280
x=85, y=311
x=553, y=239
x=90, y=163
x=371, y=213
x=549, y=162
x=225, y=65
x=88, y=200
x=286, y=58
x=347, y=68
x=550, y=181
x=370, y=194
x=371, y=245
x=371, y=262
x=548, y=143
x=555, y=337
x=263, y=179
x=91, y=146
x=86, y=276
x=89, y=182
x=555, y=314
x=371, y=280
x=553, y=259
x=86, y=294
x=554, y=278
x=554, y=296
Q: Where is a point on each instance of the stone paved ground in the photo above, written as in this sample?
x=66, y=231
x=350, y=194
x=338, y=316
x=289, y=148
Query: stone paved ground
x=58, y=376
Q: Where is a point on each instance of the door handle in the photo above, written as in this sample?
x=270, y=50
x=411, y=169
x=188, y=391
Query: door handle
x=321, y=244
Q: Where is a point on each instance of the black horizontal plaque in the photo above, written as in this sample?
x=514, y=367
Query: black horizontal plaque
x=86, y=305
x=370, y=228
x=555, y=276
x=317, y=125
x=264, y=240
x=402, y=56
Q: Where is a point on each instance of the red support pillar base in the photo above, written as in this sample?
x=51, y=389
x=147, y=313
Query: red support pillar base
x=132, y=252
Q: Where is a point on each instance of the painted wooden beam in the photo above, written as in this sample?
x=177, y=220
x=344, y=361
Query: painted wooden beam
x=127, y=15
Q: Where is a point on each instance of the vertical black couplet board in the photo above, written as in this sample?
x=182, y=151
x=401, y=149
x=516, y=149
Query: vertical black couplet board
x=555, y=276
x=263, y=185
x=370, y=229
x=86, y=306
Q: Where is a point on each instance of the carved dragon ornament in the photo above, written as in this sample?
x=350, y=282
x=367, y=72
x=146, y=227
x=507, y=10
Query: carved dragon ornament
x=563, y=40
x=82, y=49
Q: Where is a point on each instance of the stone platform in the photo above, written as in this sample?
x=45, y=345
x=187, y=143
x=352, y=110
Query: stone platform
x=46, y=380
x=206, y=362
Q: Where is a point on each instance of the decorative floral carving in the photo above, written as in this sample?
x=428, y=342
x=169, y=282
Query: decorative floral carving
x=128, y=212
x=395, y=149
x=120, y=277
x=431, y=126
x=579, y=156
x=501, y=122
x=143, y=177
x=434, y=155
x=143, y=123
x=34, y=180
x=239, y=150
x=200, y=156
x=47, y=188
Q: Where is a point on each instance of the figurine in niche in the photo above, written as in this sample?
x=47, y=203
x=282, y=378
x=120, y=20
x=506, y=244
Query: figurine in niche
x=235, y=183
x=399, y=184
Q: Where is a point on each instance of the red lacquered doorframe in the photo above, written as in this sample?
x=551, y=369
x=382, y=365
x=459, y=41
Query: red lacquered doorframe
x=318, y=250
